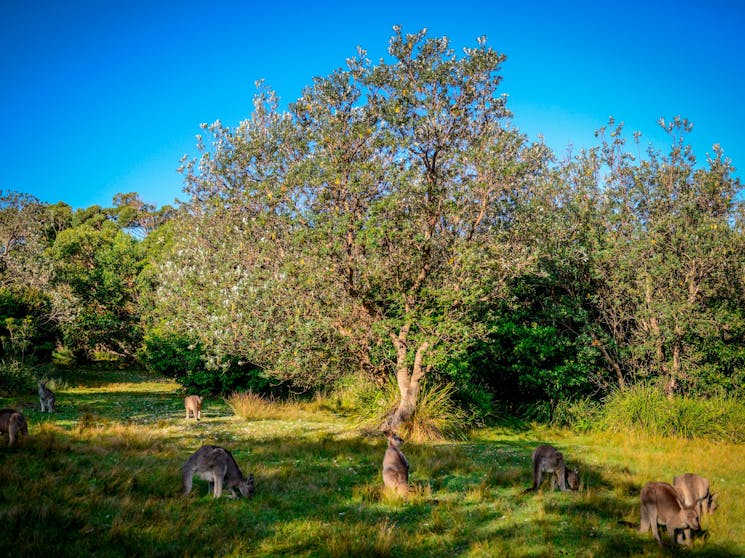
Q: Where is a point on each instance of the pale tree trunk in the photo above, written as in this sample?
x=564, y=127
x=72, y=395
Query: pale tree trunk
x=672, y=380
x=408, y=381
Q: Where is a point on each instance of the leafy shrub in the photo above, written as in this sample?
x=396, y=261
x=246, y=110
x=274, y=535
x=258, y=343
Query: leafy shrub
x=186, y=361
x=170, y=354
x=16, y=378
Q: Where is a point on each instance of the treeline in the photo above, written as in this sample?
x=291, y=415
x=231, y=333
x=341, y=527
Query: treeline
x=391, y=223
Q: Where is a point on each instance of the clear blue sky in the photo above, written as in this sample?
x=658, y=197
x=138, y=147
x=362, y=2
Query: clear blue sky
x=103, y=97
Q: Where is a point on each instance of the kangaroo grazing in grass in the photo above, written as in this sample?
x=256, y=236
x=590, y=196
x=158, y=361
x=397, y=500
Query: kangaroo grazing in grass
x=13, y=423
x=693, y=490
x=193, y=404
x=217, y=466
x=547, y=459
x=660, y=505
x=46, y=397
x=395, y=465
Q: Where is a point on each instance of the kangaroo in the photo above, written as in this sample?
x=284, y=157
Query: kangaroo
x=395, y=465
x=693, y=490
x=46, y=397
x=13, y=422
x=217, y=466
x=660, y=506
x=547, y=459
x=193, y=404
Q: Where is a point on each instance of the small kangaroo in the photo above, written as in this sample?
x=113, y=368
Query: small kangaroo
x=660, y=506
x=547, y=459
x=693, y=490
x=217, y=466
x=193, y=404
x=46, y=397
x=395, y=465
x=13, y=423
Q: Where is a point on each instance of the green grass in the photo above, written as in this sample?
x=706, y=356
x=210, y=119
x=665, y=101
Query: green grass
x=102, y=477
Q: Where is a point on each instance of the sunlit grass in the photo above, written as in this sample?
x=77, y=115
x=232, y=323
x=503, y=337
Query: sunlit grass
x=101, y=477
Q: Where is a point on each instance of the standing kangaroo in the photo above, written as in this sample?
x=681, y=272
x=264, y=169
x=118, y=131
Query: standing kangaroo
x=395, y=465
x=217, y=466
x=46, y=397
x=13, y=422
x=693, y=490
x=660, y=506
x=547, y=459
x=193, y=404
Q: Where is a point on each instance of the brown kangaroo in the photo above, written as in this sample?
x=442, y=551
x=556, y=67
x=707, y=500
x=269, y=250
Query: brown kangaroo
x=547, y=459
x=395, y=465
x=693, y=490
x=13, y=422
x=660, y=506
x=193, y=404
x=217, y=466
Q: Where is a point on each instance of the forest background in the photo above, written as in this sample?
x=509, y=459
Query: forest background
x=391, y=235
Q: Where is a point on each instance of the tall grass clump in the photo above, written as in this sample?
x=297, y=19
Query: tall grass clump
x=646, y=408
x=249, y=405
x=437, y=417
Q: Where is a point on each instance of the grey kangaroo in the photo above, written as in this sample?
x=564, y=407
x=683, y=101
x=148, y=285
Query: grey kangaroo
x=547, y=459
x=395, y=465
x=217, y=466
x=13, y=423
x=660, y=506
x=46, y=397
x=193, y=404
x=693, y=490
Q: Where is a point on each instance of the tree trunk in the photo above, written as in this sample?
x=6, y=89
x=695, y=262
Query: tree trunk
x=408, y=382
x=672, y=381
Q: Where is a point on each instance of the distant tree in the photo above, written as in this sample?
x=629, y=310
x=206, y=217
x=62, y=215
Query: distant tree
x=671, y=262
x=359, y=230
x=96, y=267
x=139, y=217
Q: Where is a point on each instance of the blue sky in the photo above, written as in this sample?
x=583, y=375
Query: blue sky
x=103, y=97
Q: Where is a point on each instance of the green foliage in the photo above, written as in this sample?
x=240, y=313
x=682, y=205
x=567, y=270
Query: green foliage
x=645, y=408
x=185, y=360
x=97, y=264
x=25, y=330
x=16, y=378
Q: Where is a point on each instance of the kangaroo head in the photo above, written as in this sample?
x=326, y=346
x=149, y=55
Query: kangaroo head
x=691, y=517
x=246, y=486
x=393, y=438
x=573, y=479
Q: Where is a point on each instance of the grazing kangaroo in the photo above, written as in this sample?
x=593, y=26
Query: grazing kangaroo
x=660, y=506
x=46, y=397
x=395, y=465
x=217, y=466
x=13, y=423
x=547, y=459
x=693, y=490
x=193, y=404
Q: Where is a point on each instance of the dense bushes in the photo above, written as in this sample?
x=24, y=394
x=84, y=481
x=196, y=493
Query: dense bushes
x=186, y=361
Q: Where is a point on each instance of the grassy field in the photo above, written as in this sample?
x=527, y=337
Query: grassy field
x=101, y=477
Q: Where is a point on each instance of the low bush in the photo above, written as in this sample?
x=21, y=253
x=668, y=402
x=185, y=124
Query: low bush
x=16, y=378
